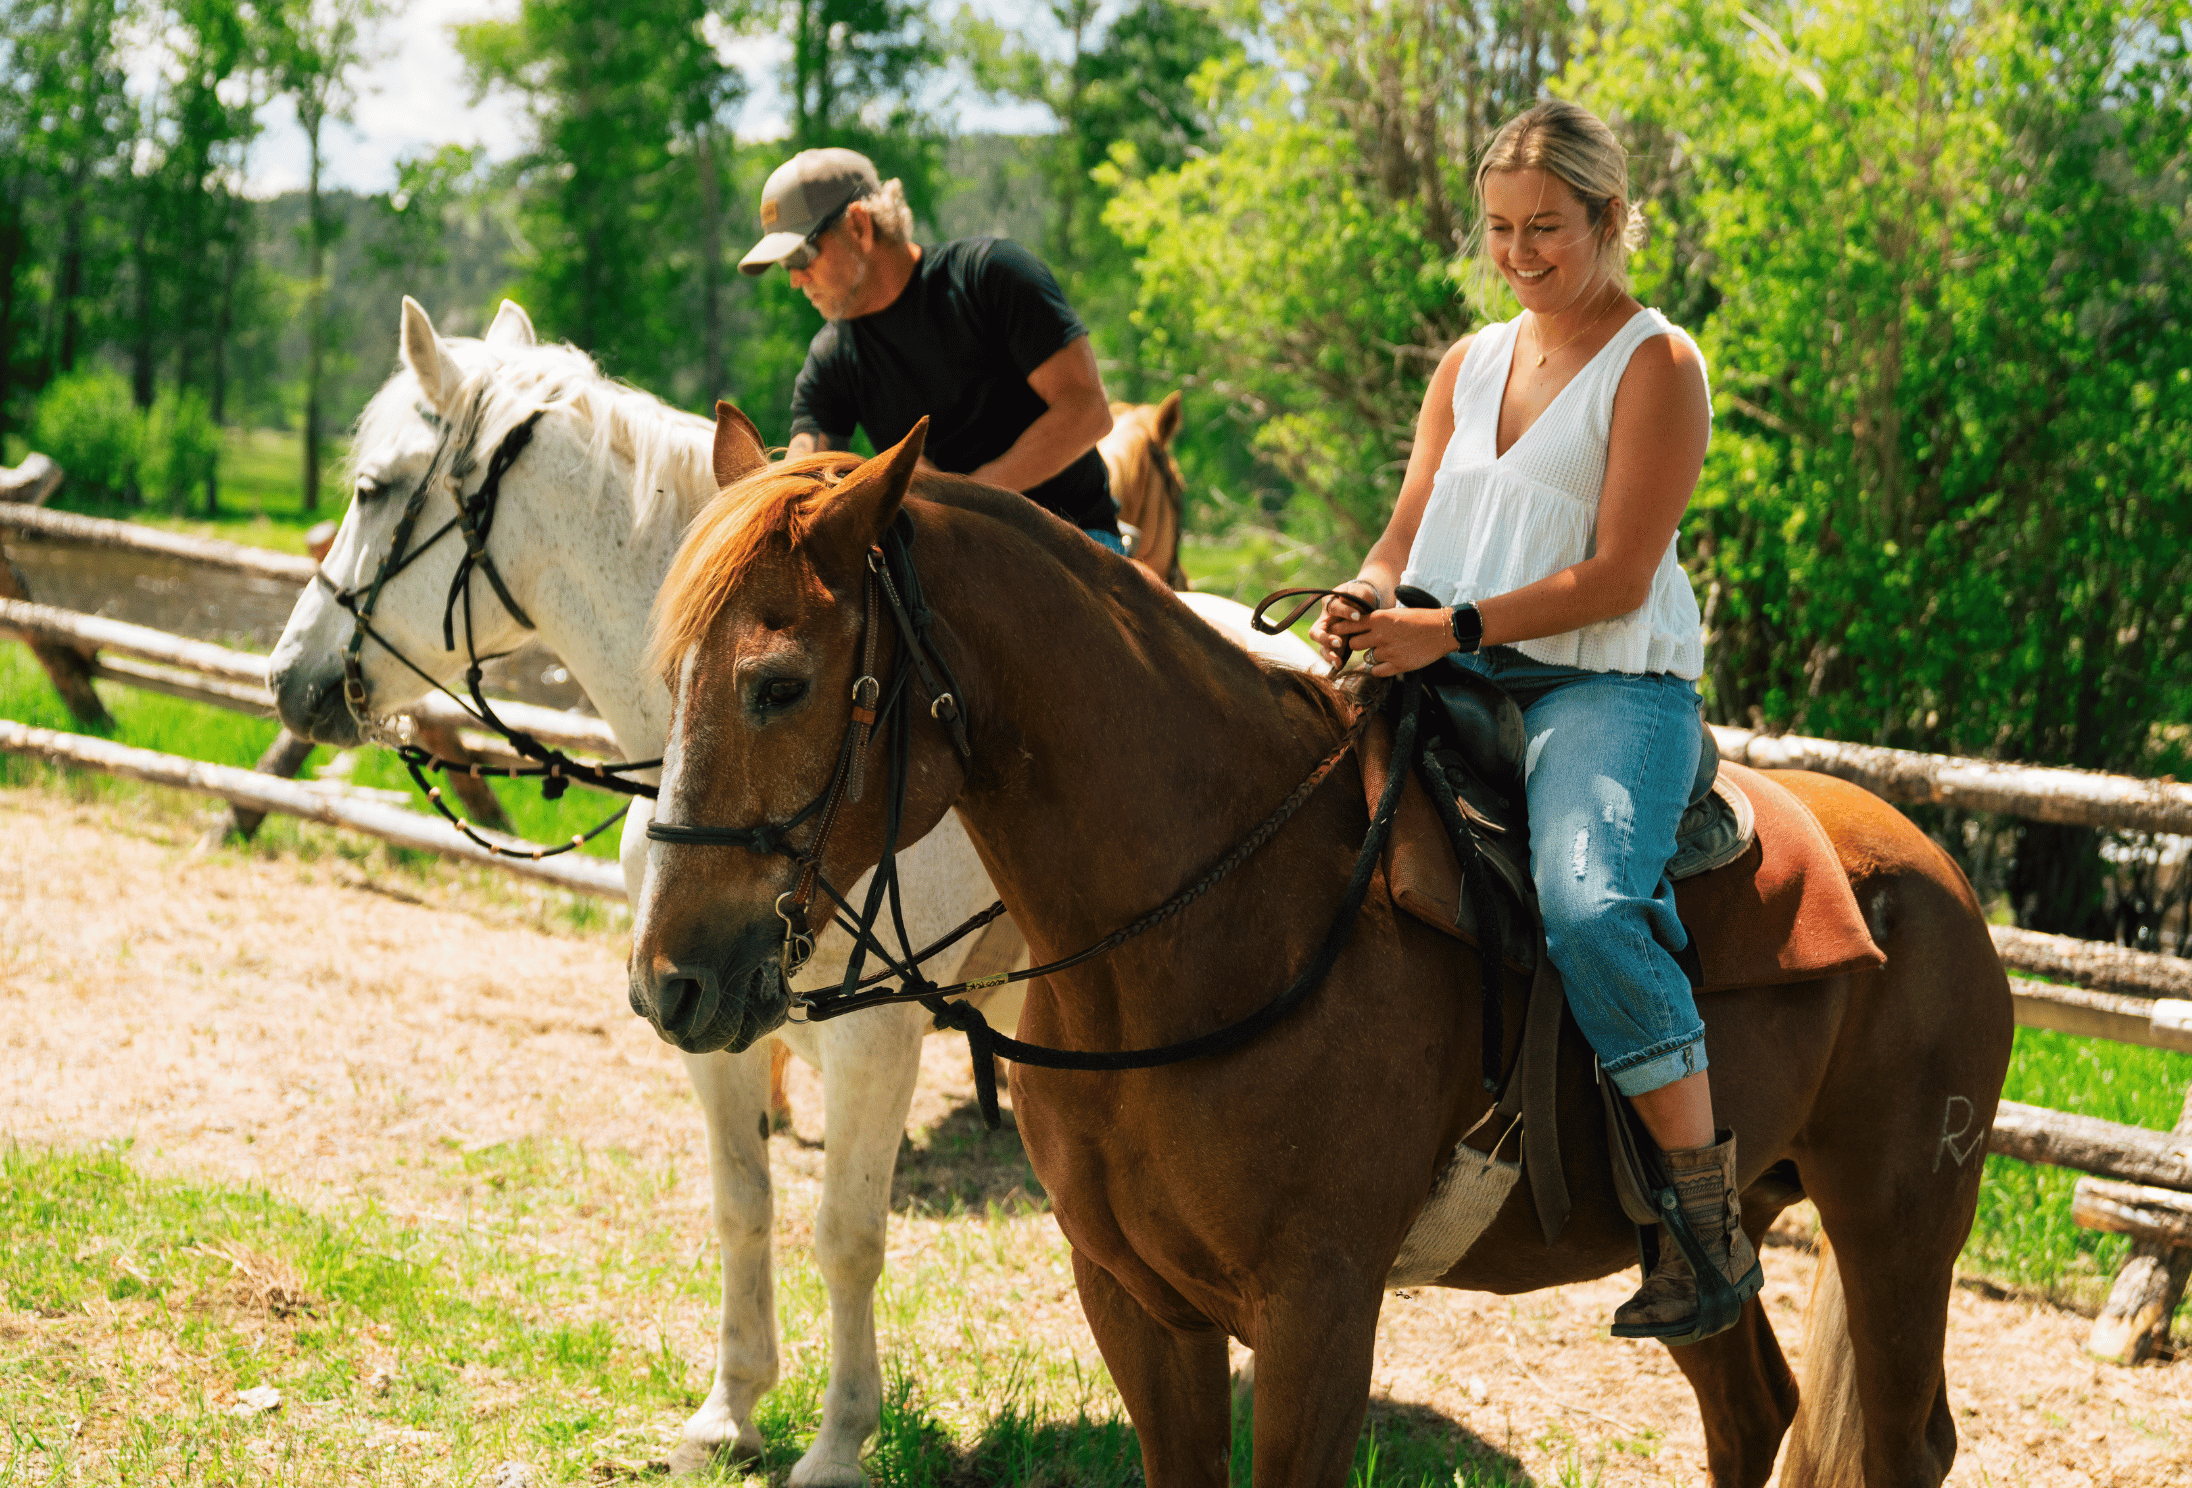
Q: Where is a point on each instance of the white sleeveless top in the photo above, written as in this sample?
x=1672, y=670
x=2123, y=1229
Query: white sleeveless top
x=1497, y=522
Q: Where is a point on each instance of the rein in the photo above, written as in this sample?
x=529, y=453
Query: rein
x=891, y=572
x=474, y=522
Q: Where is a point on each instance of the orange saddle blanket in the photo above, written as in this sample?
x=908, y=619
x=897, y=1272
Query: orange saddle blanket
x=1782, y=912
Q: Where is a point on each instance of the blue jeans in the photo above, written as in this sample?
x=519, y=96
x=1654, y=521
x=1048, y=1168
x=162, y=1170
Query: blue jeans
x=1611, y=758
x=1105, y=539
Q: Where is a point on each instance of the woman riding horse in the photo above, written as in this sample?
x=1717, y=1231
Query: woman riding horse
x=1554, y=456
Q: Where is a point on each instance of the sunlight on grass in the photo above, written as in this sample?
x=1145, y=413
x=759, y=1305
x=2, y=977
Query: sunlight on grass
x=2023, y=1232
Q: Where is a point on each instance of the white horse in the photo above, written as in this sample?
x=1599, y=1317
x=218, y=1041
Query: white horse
x=589, y=516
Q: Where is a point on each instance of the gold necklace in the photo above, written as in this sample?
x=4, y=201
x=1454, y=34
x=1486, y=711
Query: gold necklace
x=1563, y=346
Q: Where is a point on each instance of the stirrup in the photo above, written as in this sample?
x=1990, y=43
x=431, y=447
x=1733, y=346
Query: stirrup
x=1719, y=1301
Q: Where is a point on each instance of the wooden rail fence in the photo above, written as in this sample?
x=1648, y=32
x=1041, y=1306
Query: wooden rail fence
x=2138, y=1183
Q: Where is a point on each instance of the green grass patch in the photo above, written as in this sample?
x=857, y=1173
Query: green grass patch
x=428, y=1346
x=262, y=493
x=2023, y=1233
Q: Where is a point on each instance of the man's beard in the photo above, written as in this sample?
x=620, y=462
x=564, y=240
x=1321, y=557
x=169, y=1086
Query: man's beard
x=835, y=309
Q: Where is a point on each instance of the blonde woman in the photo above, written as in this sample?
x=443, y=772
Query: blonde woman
x=1554, y=456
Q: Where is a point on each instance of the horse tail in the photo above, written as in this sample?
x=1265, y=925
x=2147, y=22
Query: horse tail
x=1827, y=1438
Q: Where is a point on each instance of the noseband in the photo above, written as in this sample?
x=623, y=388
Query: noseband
x=891, y=573
x=475, y=522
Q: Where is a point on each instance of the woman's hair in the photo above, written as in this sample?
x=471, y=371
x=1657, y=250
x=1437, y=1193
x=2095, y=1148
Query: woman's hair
x=1573, y=145
x=887, y=209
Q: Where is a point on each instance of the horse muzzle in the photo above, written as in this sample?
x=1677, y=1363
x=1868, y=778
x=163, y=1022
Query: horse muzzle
x=702, y=1003
x=311, y=705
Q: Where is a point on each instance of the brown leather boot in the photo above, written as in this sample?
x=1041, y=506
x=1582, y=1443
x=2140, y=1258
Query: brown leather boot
x=1667, y=1306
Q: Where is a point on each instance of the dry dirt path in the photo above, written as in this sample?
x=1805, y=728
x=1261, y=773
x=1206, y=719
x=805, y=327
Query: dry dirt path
x=319, y=1025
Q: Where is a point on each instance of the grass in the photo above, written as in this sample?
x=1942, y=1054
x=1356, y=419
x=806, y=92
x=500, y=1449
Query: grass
x=2023, y=1233
x=262, y=492
x=431, y=1346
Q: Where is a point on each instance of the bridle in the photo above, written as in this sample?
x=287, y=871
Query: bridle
x=474, y=522
x=874, y=704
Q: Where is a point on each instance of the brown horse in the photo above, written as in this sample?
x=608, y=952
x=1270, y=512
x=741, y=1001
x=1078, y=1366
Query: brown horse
x=1146, y=482
x=1119, y=748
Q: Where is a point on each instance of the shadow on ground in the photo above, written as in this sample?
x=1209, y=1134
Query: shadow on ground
x=1402, y=1446
x=960, y=1164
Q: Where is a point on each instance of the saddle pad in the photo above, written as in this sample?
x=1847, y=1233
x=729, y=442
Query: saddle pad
x=1781, y=912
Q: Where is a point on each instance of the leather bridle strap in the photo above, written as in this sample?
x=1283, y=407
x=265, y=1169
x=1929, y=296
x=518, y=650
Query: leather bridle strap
x=1309, y=599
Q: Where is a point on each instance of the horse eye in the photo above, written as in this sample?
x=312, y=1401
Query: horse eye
x=782, y=692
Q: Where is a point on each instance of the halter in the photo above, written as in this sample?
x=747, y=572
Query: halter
x=474, y=521
x=890, y=572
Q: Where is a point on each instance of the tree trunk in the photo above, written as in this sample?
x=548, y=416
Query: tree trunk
x=315, y=296
x=141, y=268
x=712, y=372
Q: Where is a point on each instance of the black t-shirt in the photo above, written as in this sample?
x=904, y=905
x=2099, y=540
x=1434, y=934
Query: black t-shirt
x=975, y=319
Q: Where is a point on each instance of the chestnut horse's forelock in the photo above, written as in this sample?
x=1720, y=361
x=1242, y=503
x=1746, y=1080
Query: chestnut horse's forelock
x=729, y=537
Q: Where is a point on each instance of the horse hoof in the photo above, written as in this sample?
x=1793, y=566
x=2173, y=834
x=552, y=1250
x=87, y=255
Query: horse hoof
x=827, y=1474
x=694, y=1457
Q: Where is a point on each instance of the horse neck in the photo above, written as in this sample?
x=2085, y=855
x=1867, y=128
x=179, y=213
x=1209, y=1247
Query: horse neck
x=1122, y=744
x=588, y=574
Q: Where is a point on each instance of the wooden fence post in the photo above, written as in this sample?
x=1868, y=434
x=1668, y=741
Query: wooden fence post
x=2135, y=1322
x=283, y=758
x=69, y=668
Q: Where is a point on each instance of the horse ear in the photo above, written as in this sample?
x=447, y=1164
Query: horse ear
x=865, y=504
x=438, y=375
x=513, y=328
x=1168, y=418
x=738, y=448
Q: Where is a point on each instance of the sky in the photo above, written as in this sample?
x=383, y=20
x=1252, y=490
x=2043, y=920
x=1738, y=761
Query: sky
x=414, y=97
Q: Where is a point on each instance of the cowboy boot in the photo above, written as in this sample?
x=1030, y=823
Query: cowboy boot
x=1701, y=1185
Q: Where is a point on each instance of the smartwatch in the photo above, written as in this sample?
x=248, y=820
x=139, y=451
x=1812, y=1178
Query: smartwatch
x=1468, y=626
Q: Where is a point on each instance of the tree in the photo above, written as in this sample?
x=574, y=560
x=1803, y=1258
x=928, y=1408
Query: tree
x=1953, y=316
x=317, y=47
x=1300, y=265
x=629, y=105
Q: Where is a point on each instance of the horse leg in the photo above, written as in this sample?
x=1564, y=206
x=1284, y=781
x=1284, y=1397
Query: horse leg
x=1313, y=1388
x=734, y=1097
x=1746, y=1396
x=1174, y=1383
x=1895, y=1202
x=869, y=1065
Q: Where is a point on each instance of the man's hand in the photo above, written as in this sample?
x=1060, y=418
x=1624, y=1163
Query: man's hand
x=1079, y=414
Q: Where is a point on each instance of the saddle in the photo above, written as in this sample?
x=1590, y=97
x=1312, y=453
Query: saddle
x=1759, y=886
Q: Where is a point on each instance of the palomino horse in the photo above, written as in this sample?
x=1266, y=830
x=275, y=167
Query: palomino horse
x=588, y=519
x=1114, y=751
x=1146, y=482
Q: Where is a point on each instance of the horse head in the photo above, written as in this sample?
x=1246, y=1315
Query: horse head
x=1146, y=482
x=414, y=443
x=768, y=618
x=432, y=569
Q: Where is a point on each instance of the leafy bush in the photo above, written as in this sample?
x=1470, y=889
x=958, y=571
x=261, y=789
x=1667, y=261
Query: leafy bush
x=181, y=447
x=88, y=423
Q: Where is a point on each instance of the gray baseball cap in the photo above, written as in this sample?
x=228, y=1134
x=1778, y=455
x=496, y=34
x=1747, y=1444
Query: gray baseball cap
x=803, y=193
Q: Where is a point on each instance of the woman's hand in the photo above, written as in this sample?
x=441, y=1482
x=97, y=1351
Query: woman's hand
x=1397, y=641
x=1341, y=622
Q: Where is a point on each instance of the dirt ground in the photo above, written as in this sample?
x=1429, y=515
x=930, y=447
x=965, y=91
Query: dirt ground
x=314, y=1025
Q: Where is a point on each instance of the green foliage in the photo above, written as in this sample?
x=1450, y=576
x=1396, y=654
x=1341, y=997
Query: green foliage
x=182, y=449
x=1950, y=343
x=1300, y=266
x=88, y=423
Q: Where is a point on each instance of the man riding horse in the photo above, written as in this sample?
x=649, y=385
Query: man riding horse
x=974, y=334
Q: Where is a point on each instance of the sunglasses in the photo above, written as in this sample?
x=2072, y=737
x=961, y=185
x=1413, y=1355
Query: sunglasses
x=807, y=251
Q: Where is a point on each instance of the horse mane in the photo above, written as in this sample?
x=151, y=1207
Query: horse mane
x=668, y=449
x=728, y=537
